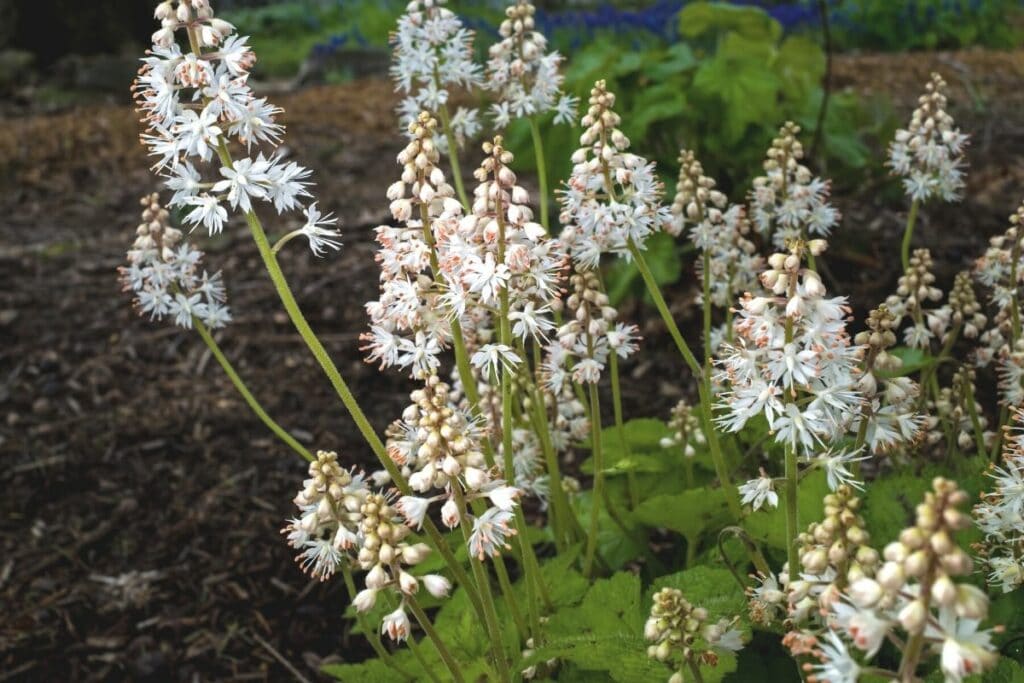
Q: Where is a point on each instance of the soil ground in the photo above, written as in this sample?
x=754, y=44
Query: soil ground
x=142, y=501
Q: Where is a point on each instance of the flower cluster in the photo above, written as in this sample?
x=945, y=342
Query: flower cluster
x=612, y=199
x=832, y=554
x=682, y=636
x=1000, y=269
x=788, y=202
x=889, y=417
x=587, y=337
x=342, y=523
x=163, y=273
x=686, y=430
x=432, y=53
x=956, y=409
x=194, y=102
x=793, y=361
x=438, y=446
x=913, y=591
x=1000, y=515
x=915, y=290
x=525, y=77
x=719, y=231
x=928, y=154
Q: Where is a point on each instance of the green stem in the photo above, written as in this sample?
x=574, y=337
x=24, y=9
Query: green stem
x=435, y=637
x=620, y=428
x=302, y=326
x=371, y=633
x=453, y=156
x=792, y=521
x=908, y=235
x=253, y=404
x=490, y=618
x=703, y=383
x=706, y=296
x=542, y=172
x=598, y=464
x=972, y=410
x=695, y=669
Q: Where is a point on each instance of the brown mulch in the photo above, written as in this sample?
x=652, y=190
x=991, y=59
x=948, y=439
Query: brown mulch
x=142, y=501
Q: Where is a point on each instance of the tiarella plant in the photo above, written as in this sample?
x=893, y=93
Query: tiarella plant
x=480, y=542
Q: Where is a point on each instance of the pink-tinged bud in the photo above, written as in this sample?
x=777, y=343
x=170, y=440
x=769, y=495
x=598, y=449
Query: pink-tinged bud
x=184, y=13
x=450, y=514
x=777, y=261
x=376, y=578
x=396, y=190
x=426, y=193
x=163, y=11
x=414, y=554
x=891, y=577
x=437, y=585
x=386, y=553
x=944, y=591
x=791, y=263
x=164, y=37
x=971, y=602
x=408, y=583
x=912, y=616
x=365, y=600
x=475, y=478
x=651, y=630
x=817, y=247
x=916, y=564
x=895, y=552
x=401, y=210
x=222, y=27
x=812, y=283
x=865, y=592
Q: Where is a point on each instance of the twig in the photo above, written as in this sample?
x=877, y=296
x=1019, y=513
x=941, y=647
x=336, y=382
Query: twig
x=280, y=658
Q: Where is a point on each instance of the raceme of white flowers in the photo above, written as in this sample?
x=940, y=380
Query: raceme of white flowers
x=432, y=54
x=525, y=78
x=928, y=153
x=613, y=197
x=850, y=599
x=193, y=101
x=527, y=319
x=788, y=202
x=163, y=273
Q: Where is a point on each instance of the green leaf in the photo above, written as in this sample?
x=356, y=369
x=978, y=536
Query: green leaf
x=662, y=102
x=800, y=65
x=769, y=526
x=374, y=670
x=678, y=58
x=603, y=633
x=689, y=513
x=698, y=18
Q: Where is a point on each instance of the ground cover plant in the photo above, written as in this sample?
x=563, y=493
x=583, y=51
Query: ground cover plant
x=769, y=510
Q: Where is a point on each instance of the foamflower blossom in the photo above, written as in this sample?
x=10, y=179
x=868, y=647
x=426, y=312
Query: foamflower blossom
x=929, y=153
x=194, y=103
x=613, y=198
x=164, y=274
x=760, y=492
x=1000, y=514
x=432, y=54
x=788, y=202
x=526, y=79
x=793, y=361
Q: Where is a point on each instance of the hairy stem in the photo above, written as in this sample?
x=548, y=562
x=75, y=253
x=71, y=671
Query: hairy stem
x=598, y=464
x=792, y=520
x=253, y=404
x=703, y=383
x=542, y=172
x=453, y=156
x=435, y=638
x=908, y=234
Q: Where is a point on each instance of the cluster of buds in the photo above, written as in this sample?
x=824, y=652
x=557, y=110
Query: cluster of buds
x=525, y=77
x=684, y=424
x=193, y=103
x=612, y=200
x=437, y=444
x=195, y=14
x=915, y=291
x=343, y=522
x=719, y=231
x=793, y=361
x=788, y=202
x=682, y=635
x=956, y=408
x=163, y=273
x=408, y=323
x=915, y=591
x=833, y=553
x=928, y=154
x=965, y=312
x=1001, y=270
x=330, y=505
x=1000, y=515
x=890, y=408
x=432, y=54
x=589, y=334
